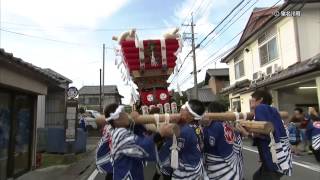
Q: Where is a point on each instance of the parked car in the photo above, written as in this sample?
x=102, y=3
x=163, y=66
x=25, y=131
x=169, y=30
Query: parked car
x=90, y=119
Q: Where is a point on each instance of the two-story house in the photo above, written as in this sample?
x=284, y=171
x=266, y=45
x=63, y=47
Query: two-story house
x=89, y=96
x=279, y=51
x=217, y=79
x=208, y=90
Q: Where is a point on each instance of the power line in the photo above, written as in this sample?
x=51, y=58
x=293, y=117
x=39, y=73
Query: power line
x=206, y=7
x=47, y=39
x=197, y=10
x=240, y=32
x=37, y=28
x=183, y=33
x=206, y=37
x=236, y=14
x=233, y=39
x=220, y=23
x=220, y=49
x=189, y=12
x=199, y=13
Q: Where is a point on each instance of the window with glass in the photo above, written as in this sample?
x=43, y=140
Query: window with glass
x=236, y=105
x=94, y=101
x=238, y=66
x=268, y=49
x=23, y=110
x=16, y=111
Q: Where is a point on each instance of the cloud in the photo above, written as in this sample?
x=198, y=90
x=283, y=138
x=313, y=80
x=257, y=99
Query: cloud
x=204, y=25
x=52, y=16
x=79, y=63
x=51, y=13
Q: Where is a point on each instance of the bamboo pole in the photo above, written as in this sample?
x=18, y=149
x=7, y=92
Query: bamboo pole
x=262, y=127
x=174, y=118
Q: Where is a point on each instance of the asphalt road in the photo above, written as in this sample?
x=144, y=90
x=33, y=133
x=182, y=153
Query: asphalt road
x=304, y=168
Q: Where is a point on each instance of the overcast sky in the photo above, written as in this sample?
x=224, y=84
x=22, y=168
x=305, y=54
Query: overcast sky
x=67, y=35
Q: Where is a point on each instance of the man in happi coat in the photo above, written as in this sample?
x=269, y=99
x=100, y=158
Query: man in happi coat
x=274, y=150
x=223, y=157
x=129, y=149
x=186, y=163
x=313, y=132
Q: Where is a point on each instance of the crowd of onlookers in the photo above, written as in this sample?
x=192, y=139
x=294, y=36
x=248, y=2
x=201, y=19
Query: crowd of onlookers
x=301, y=127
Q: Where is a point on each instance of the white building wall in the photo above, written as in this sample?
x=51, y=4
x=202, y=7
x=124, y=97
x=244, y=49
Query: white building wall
x=286, y=49
x=245, y=102
x=231, y=72
x=286, y=43
x=255, y=62
x=309, y=31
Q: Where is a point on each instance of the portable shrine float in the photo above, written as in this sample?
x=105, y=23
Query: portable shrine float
x=150, y=63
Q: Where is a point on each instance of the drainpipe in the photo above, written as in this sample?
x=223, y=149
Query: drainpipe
x=296, y=38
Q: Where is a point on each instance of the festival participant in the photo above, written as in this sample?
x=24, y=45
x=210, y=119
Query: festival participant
x=223, y=157
x=188, y=165
x=274, y=150
x=103, y=159
x=157, y=173
x=298, y=122
x=128, y=150
x=313, y=132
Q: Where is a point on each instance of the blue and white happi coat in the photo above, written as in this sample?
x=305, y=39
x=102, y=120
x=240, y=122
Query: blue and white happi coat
x=128, y=153
x=190, y=158
x=281, y=160
x=103, y=158
x=313, y=130
x=223, y=157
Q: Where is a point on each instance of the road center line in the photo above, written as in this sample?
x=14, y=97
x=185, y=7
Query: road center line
x=302, y=164
x=93, y=175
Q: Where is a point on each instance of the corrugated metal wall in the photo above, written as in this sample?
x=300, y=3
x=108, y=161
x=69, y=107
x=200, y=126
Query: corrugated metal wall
x=55, y=110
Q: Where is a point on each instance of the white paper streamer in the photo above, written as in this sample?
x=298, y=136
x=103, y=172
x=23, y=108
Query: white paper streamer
x=136, y=41
x=163, y=52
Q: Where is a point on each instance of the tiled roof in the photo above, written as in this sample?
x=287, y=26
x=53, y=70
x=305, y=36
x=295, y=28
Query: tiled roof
x=218, y=72
x=237, y=85
x=256, y=20
x=112, y=89
x=10, y=59
x=204, y=95
x=259, y=18
x=60, y=77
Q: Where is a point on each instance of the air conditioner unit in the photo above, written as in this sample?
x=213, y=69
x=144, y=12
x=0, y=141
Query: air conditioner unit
x=269, y=70
x=257, y=75
x=277, y=68
x=253, y=82
x=263, y=75
x=267, y=76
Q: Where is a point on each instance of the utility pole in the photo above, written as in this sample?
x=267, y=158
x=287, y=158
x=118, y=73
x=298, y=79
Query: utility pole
x=194, y=57
x=103, y=69
x=100, y=98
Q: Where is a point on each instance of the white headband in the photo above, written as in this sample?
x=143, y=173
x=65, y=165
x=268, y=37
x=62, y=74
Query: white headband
x=115, y=115
x=196, y=116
